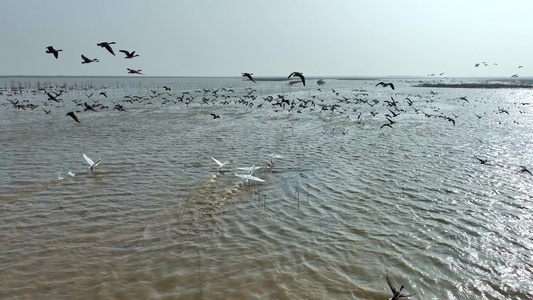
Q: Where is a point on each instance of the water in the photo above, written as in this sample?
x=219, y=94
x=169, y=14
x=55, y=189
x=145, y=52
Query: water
x=348, y=204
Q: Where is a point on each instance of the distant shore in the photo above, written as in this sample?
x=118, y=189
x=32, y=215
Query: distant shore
x=478, y=85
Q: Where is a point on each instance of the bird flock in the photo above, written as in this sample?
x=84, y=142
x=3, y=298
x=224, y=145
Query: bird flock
x=105, y=45
x=360, y=106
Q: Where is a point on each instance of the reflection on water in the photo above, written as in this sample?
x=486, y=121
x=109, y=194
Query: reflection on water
x=346, y=205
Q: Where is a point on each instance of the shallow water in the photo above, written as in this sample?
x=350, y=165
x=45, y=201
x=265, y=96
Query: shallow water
x=346, y=205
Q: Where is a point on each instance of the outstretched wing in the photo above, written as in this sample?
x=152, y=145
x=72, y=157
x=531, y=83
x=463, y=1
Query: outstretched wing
x=390, y=285
x=250, y=177
x=97, y=162
x=218, y=162
x=89, y=161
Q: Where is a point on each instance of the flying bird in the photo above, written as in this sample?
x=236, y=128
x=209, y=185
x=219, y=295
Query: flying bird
x=103, y=94
x=220, y=165
x=89, y=107
x=249, y=75
x=397, y=294
x=91, y=163
x=271, y=156
x=383, y=84
x=107, y=45
x=51, y=50
x=129, y=54
x=250, y=169
x=131, y=71
x=215, y=116
x=87, y=60
x=248, y=177
x=523, y=169
x=299, y=75
x=73, y=115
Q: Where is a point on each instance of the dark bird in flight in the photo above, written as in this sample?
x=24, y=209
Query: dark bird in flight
x=215, y=116
x=103, y=94
x=107, y=46
x=166, y=88
x=87, y=60
x=523, y=169
x=88, y=107
x=383, y=84
x=54, y=98
x=481, y=161
x=47, y=111
x=386, y=125
x=131, y=71
x=129, y=54
x=50, y=49
x=73, y=115
x=299, y=75
x=397, y=294
x=249, y=75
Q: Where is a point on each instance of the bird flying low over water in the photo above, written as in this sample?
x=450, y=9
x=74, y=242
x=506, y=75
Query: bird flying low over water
x=215, y=116
x=220, y=165
x=51, y=50
x=248, y=177
x=107, y=45
x=73, y=115
x=383, y=84
x=91, y=163
x=87, y=60
x=299, y=75
x=271, y=156
x=131, y=71
x=397, y=294
x=129, y=54
x=249, y=75
x=250, y=169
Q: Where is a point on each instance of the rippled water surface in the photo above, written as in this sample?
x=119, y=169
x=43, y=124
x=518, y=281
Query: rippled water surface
x=347, y=204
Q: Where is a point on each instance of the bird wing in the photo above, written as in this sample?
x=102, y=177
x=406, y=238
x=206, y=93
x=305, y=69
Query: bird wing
x=97, y=162
x=390, y=285
x=302, y=77
x=406, y=295
x=109, y=48
x=84, y=58
x=391, y=85
x=218, y=162
x=89, y=161
x=125, y=52
x=250, y=177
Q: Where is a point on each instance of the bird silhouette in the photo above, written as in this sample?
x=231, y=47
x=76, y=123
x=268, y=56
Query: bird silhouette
x=299, y=74
x=131, y=71
x=107, y=45
x=249, y=75
x=87, y=60
x=383, y=84
x=51, y=50
x=129, y=54
x=73, y=115
x=397, y=294
x=215, y=116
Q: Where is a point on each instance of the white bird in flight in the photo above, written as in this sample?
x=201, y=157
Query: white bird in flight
x=248, y=177
x=91, y=163
x=271, y=156
x=250, y=169
x=220, y=165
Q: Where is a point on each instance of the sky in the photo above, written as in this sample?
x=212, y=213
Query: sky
x=269, y=37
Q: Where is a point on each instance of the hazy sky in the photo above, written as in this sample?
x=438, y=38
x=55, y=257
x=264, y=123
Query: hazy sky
x=269, y=37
